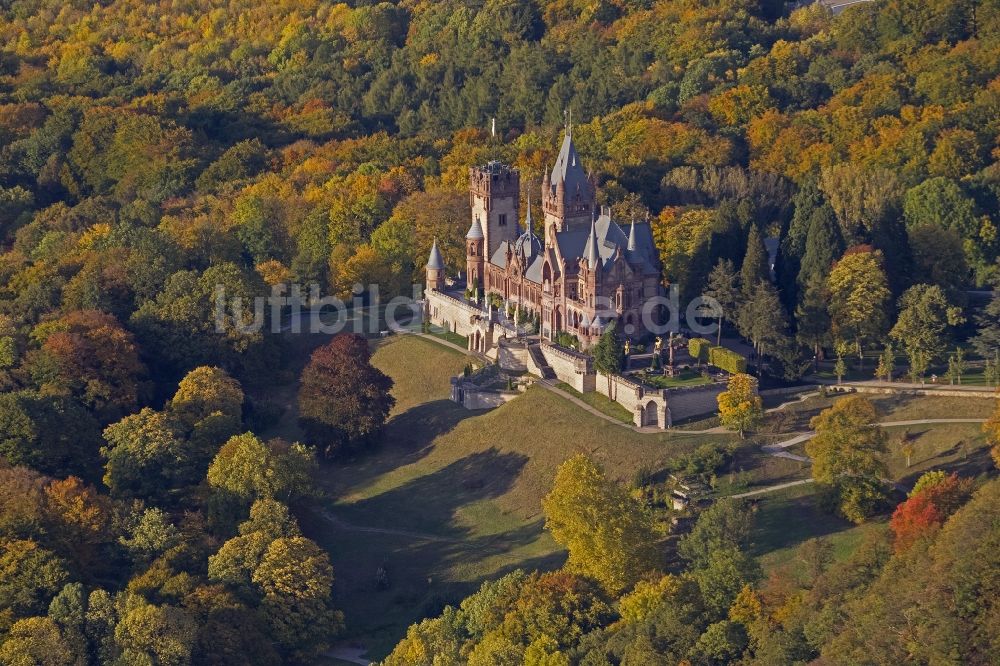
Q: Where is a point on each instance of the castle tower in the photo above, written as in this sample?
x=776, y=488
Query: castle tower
x=475, y=254
x=495, y=196
x=567, y=193
x=435, y=269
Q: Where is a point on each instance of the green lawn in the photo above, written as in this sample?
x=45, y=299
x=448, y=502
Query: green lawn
x=796, y=417
x=453, y=497
x=788, y=517
x=450, y=336
x=685, y=378
x=752, y=469
x=600, y=402
x=456, y=493
x=958, y=447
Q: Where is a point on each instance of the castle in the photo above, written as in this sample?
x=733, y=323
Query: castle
x=584, y=272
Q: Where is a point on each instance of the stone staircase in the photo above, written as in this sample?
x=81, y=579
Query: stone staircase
x=544, y=369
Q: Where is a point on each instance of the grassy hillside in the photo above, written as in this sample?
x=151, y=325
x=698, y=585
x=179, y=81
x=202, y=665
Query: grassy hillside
x=453, y=496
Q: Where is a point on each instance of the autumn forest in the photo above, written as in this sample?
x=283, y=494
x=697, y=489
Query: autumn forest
x=156, y=507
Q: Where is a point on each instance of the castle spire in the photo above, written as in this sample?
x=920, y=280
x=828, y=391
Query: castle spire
x=527, y=220
x=435, y=262
x=590, y=252
x=631, y=236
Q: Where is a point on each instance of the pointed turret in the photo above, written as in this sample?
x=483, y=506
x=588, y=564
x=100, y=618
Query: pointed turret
x=567, y=170
x=527, y=222
x=590, y=252
x=631, y=237
x=435, y=261
x=475, y=231
x=435, y=268
x=475, y=254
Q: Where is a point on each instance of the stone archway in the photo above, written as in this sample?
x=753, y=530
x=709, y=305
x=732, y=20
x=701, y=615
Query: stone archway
x=649, y=415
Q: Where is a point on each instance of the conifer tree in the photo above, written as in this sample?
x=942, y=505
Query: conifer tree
x=755, y=264
x=722, y=287
x=793, y=244
x=609, y=353
x=824, y=245
x=813, y=318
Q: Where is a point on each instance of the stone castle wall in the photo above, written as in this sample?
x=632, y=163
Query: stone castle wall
x=570, y=367
x=451, y=314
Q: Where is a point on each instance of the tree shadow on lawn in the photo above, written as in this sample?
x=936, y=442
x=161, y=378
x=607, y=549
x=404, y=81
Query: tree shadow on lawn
x=887, y=404
x=428, y=503
x=407, y=438
x=430, y=560
x=788, y=521
x=976, y=462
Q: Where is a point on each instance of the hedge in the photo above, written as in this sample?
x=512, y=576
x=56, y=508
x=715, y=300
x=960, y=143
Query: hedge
x=698, y=348
x=728, y=360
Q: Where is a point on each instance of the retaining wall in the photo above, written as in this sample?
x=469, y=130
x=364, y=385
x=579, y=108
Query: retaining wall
x=975, y=393
x=451, y=313
x=570, y=367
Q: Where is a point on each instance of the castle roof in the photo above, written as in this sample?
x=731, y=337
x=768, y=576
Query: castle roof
x=568, y=169
x=475, y=231
x=599, y=244
x=528, y=244
x=575, y=244
x=435, y=261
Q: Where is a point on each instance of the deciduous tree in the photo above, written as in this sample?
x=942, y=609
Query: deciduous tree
x=609, y=536
x=859, y=297
x=343, y=400
x=847, y=456
x=740, y=408
x=925, y=318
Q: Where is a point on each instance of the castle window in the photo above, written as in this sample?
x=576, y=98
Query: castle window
x=502, y=219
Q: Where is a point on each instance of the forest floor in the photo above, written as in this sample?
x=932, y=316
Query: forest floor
x=453, y=497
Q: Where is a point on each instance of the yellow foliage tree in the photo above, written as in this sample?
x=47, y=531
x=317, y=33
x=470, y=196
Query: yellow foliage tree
x=678, y=235
x=847, y=456
x=740, y=408
x=859, y=298
x=610, y=537
x=739, y=105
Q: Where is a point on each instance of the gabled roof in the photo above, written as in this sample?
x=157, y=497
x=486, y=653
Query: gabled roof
x=534, y=272
x=435, y=261
x=499, y=257
x=574, y=244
